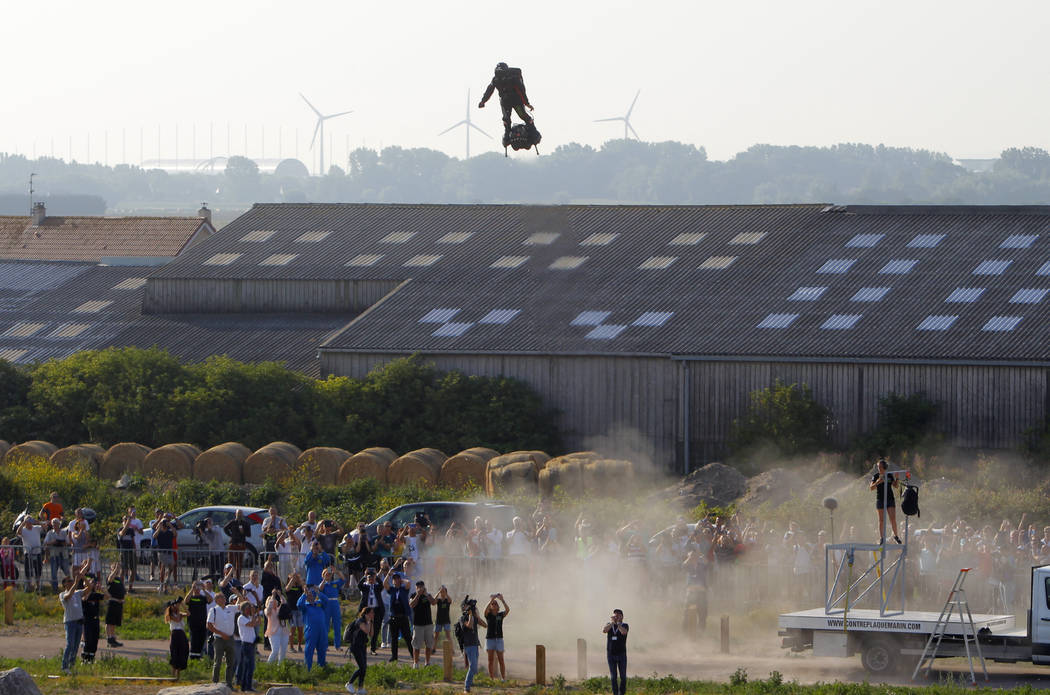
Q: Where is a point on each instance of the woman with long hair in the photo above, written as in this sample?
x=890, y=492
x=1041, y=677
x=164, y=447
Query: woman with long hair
x=276, y=629
x=179, y=646
x=494, y=634
x=358, y=646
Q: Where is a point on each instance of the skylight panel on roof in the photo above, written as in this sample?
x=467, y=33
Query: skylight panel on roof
x=653, y=318
x=807, y=294
x=687, y=239
x=925, y=241
x=657, y=262
x=590, y=318
x=439, y=315
x=1044, y=269
x=509, y=261
x=279, y=259
x=541, y=239
x=1002, y=323
x=1028, y=296
x=130, y=284
x=312, y=237
x=898, y=266
x=451, y=330
x=991, y=267
x=1018, y=241
x=777, y=321
x=717, y=263
x=870, y=294
x=599, y=239
x=605, y=332
x=397, y=237
x=965, y=295
x=837, y=266
x=259, y=235
x=92, y=307
x=840, y=322
x=935, y=322
x=69, y=330
x=749, y=238
x=365, y=260
x=499, y=316
x=567, y=262
x=23, y=330
x=864, y=241
x=422, y=261
x=12, y=355
x=455, y=237
x=222, y=259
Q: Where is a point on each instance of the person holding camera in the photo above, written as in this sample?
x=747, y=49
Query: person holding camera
x=222, y=622
x=422, y=624
x=443, y=622
x=92, y=603
x=357, y=551
x=469, y=622
x=197, y=601
x=116, y=591
x=71, y=598
x=365, y=629
x=164, y=535
x=29, y=532
x=372, y=597
x=312, y=606
x=332, y=582
x=178, y=647
x=57, y=541
x=616, y=650
x=293, y=591
x=494, y=634
x=276, y=628
x=211, y=537
x=238, y=529
x=272, y=525
x=397, y=589
x=247, y=622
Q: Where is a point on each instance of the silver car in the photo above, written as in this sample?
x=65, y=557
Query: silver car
x=191, y=546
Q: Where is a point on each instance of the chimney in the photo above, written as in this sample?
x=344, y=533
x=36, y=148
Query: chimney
x=39, y=214
x=205, y=213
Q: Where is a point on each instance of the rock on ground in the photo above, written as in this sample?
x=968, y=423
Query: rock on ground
x=198, y=689
x=715, y=485
x=284, y=690
x=17, y=682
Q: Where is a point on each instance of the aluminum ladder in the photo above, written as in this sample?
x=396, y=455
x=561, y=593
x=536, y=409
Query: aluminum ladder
x=957, y=604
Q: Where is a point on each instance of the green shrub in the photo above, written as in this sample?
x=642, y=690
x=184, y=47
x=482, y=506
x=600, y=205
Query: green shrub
x=905, y=423
x=785, y=417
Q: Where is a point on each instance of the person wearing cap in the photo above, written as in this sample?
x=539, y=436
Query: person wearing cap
x=397, y=589
x=332, y=581
x=372, y=597
x=312, y=606
x=616, y=651
x=422, y=623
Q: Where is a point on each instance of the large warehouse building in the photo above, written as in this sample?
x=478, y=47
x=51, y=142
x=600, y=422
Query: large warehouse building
x=648, y=327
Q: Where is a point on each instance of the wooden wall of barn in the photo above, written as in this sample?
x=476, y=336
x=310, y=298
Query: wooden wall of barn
x=238, y=295
x=630, y=404
x=622, y=407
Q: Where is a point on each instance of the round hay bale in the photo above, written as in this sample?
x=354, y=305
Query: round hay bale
x=419, y=466
x=222, y=462
x=325, y=461
x=34, y=448
x=89, y=455
x=368, y=463
x=275, y=461
x=565, y=472
x=607, y=476
x=539, y=460
x=126, y=457
x=511, y=476
x=173, y=461
x=467, y=467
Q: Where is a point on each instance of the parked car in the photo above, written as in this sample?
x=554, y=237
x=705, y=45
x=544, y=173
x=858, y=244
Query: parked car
x=441, y=514
x=188, y=540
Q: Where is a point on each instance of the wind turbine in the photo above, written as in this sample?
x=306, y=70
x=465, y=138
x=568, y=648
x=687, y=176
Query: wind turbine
x=319, y=128
x=626, y=118
x=469, y=124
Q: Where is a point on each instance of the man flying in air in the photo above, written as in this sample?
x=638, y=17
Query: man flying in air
x=508, y=82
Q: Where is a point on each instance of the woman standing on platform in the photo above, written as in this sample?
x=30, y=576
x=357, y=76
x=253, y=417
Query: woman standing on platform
x=883, y=484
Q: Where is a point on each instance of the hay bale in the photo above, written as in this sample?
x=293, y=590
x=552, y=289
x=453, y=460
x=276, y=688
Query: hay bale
x=275, y=461
x=512, y=477
x=173, y=461
x=467, y=467
x=33, y=449
x=89, y=455
x=222, y=462
x=368, y=463
x=125, y=457
x=607, y=476
x=565, y=472
x=325, y=461
x=419, y=466
x=539, y=460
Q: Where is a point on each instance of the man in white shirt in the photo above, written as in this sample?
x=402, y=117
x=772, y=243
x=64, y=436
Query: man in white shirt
x=57, y=543
x=222, y=623
x=271, y=526
x=29, y=532
x=519, y=542
x=78, y=516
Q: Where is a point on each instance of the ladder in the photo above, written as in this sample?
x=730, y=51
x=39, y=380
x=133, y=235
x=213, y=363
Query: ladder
x=957, y=604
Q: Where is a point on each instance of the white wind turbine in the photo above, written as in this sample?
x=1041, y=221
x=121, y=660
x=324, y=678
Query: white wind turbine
x=626, y=118
x=319, y=128
x=469, y=124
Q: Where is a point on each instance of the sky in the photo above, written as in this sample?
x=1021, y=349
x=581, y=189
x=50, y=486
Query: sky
x=963, y=77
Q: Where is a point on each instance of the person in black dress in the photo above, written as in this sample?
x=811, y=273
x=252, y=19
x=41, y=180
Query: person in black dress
x=179, y=647
x=115, y=608
x=883, y=484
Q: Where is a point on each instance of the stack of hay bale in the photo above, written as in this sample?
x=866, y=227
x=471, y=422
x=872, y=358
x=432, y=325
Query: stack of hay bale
x=275, y=461
x=466, y=468
x=173, y=461
x=222, y=462
x=419, y=466
x=89, y=455
x=517, y=471
x=125, y=457
x=323, y=462
x=367, y=463
x=35, y=448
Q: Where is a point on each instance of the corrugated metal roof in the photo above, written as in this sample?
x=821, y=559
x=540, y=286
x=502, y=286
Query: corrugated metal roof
x=92, y=238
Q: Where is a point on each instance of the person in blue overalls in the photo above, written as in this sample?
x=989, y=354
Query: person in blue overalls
x=330, y=587
x=316, y=633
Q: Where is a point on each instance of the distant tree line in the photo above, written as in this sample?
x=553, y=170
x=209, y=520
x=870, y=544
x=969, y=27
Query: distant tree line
x=148, y=396
x=621, y=171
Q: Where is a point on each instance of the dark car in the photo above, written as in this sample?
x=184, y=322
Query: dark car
x=442, y=514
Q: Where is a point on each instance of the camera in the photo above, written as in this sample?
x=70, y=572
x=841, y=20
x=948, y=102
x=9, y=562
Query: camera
x=422, y=520
x=470, y=604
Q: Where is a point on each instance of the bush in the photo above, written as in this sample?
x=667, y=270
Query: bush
x=784, y=417
x=905, y=423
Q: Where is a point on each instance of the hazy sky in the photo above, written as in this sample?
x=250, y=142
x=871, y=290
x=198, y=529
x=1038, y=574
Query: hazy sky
x=964, y=77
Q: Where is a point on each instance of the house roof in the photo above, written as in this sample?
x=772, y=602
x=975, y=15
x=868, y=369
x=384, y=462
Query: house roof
x=84, y=238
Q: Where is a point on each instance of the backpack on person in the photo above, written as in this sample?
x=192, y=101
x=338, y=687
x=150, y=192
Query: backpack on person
x=350, y=631
x=457, y=631
x=910, y=501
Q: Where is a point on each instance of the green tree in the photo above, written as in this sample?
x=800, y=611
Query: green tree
x=786, y=417
x=905, y=423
